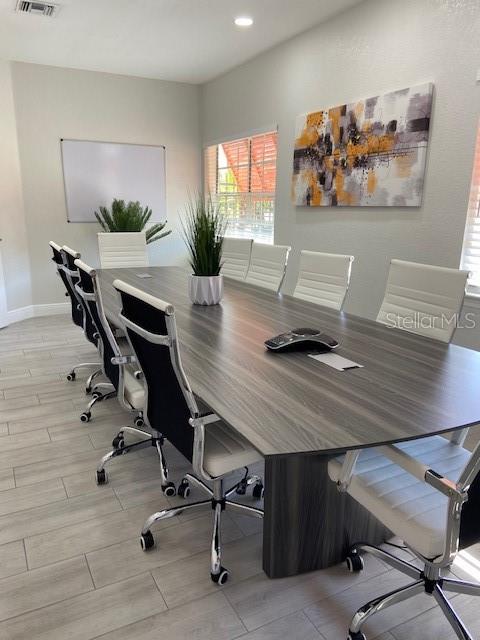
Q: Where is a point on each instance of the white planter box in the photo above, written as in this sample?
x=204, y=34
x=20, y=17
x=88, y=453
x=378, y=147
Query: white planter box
x=205, y=290
x=127, y=249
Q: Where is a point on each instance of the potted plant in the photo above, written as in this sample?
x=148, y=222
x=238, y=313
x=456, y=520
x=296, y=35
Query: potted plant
x=203, y=230
x=129, y=218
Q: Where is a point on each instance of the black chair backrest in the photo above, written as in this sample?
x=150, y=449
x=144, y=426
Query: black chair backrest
x=76, y=309
x=73, y=279
x=167, y=410
x=95, y=310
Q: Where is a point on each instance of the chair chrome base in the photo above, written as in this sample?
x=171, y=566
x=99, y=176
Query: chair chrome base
x=97, y=396
x=219, y=501
x=428, y=580
x=120, y=448
x=88, y=385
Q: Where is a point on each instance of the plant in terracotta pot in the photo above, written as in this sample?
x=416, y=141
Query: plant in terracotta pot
x=203, y=230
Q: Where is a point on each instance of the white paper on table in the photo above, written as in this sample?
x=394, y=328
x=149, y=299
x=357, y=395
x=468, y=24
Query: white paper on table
x=336, y=361
x=143, y=275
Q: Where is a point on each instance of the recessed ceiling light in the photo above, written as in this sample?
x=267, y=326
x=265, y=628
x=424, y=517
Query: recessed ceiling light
x=243, y=21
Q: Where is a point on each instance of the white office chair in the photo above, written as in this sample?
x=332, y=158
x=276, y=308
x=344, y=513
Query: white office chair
x=419, y=491
x=236, y=254
x=267, y=265
x=423, y=299
x=215, y=449
x=122, y=250
x=323, y=278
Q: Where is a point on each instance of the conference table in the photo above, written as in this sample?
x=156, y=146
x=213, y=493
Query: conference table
x=299, y=412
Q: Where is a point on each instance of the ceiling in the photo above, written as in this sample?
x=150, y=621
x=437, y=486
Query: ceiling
x=183, y=40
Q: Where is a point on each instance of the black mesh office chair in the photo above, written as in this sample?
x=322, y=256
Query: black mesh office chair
x=123, y=383
x=214, y=448
x=420, y=491
x=78, y=316
x=119, y=366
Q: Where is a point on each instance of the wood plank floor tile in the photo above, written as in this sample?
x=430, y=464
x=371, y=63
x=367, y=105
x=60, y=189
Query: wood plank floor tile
x=7, y=479
x=260, y=600
x=295, y=626
x=23, y=498
x=41, y=452
x=188, y=579
x=173, y=544
x=12, y=559
x=21, y=440
x=89, y=535
x=90, y=614
x=41, y=587
x=21, y=524
x=211, y=618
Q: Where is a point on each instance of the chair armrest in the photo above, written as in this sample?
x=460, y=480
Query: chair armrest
x=204, y=419
x=347, y=470
x=121, y=360
x=424, y=473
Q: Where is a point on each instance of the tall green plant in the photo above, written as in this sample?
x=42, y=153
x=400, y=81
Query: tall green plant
x=203, y=229
x=130, y=217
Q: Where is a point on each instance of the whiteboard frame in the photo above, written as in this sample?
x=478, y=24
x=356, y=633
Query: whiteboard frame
x=131, y=144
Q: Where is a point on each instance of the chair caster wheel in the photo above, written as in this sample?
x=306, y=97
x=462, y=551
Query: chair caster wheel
x=258, y=491
x=96, y=395
x=118, y=442
x=71, y=376
x=354, y=565
x=88, y=390
x=183, y=489
x=220, y=578
x=169, y=490
x=241, y=489
x=139, y=422
x=356, y=635
x=147, y=541
x=85, y=417
x=102, y=477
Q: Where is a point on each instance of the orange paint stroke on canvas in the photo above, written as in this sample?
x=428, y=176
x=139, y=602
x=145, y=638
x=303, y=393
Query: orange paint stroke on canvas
x=311, y=130
x=371, y=182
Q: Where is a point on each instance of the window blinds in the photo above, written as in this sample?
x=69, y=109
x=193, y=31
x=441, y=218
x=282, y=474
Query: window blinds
x=240, y=175
x=471, y=243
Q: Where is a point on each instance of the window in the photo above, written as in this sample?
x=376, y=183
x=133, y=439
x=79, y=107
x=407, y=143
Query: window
x=471, y=242
x=240, y=175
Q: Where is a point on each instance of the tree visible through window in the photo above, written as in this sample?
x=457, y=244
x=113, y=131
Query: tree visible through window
x=240, y=175
x=471, y=242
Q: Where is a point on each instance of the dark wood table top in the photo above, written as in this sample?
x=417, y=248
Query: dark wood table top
x=410, y=386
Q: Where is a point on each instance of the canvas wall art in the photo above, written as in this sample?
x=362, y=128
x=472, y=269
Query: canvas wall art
x=368, y=153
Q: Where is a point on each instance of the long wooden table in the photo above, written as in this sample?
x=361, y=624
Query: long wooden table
x=298, y=412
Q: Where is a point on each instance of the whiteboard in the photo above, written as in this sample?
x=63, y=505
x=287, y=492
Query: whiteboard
x=95, y=173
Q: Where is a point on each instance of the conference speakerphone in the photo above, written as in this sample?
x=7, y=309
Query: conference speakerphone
x=303, y=336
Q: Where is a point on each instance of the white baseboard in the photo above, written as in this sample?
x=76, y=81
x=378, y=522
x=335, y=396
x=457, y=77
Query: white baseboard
x=35, y=310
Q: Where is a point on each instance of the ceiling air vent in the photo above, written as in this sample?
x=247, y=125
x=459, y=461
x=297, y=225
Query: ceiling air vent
x=36, y=8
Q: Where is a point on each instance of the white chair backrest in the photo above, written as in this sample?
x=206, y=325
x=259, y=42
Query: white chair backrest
x=423, y=299
x=323, y=278
x=122, y=250
x=267, y=265
x=236, y=257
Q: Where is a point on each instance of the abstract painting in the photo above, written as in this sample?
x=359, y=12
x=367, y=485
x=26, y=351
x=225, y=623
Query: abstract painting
x=369, y=153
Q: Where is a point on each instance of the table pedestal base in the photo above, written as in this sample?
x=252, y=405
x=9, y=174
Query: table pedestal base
x=308, y=523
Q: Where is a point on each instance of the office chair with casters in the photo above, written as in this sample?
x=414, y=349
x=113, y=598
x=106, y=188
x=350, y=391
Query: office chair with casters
x=78, y=316
x=120, y=367
x=419, y=491
x=117, y=362
x=215, y=449
x=323, y=278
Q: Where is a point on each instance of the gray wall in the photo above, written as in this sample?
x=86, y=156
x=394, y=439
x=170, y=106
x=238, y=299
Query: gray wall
x=53, y=103
x=14, y=246
x=373, y=48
